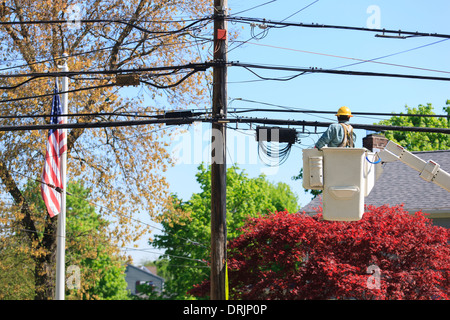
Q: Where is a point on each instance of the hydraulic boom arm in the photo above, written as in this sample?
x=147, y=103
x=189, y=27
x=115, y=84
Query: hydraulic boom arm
x=429, y=170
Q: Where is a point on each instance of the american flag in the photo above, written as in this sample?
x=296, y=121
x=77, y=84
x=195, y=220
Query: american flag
x=51, y=175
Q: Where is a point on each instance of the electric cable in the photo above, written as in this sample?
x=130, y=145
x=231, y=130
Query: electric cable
x=19, y=84
x=61, y=92
x=190, y=120
x=194, y=66
x=82, y=233
x=165, y=254
x=302, y=110
x=275, y=79
x=132, y=114
x=361, y=61
x=407, y=34
x=100, y=49
x=254, y=7
x=193, y=242
x=298, y=11
x=267, y=28
x=171, y=85
x=337, y=72
x=301, y=123
x=397, y=53
x=119, y=21
x=87, y=52
x=276, y=155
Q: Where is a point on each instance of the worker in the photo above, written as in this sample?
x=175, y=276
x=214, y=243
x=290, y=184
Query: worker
x=339, y=134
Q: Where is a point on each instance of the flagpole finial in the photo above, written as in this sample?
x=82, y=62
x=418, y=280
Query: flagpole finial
x=64, y=57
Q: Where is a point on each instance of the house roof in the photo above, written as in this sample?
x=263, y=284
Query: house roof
x=400, y=184
x=143, y=270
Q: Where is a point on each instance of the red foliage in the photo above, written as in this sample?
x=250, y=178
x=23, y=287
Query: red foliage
x=296, y=256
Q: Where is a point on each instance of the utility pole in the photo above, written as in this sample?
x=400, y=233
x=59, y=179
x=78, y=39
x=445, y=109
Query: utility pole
x=218, y=155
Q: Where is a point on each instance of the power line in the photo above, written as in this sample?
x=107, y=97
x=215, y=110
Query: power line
x=131, y=72
x=371, y=127
x=298, y=11
x=267, y=28
x=119, y=21
x=406, y=34
x=100, y=124
x=132, y=114
x=165, y=254
x=190, y=120
x=52, y=94
x=333, y=71
x=397, y=53
x=173, y=84
x=195, y=66
x=187, y=241
x=255, y=7
x=334, y=112
x=302, y=110
x=129, y=22
x=360, y=61
x=91, y=51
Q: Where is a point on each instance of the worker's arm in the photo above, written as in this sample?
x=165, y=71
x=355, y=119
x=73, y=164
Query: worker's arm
x=326, y=137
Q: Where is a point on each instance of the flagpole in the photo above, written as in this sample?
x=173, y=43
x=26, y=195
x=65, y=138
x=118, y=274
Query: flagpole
x=61, y=231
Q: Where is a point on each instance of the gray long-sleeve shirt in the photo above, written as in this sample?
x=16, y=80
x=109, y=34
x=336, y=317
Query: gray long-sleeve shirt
x=333, y=136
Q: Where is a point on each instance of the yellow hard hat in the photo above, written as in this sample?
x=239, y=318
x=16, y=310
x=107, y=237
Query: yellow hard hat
x=344, y=111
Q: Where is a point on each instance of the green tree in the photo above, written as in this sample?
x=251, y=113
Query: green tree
x=420, y=141
x=88, y=248
x=314, y=193
x=187, y=240
x=16, y=269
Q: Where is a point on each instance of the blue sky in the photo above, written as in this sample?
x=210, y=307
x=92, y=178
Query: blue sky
x=325, y=91
x=326, y=47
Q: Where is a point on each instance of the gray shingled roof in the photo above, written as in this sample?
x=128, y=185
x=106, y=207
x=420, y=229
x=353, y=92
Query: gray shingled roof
x=400, y=184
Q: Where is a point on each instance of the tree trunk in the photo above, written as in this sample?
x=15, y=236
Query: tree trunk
x=45, y=264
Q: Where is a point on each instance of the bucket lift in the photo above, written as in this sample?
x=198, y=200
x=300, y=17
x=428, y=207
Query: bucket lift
x=428, y=170
x=347, y=175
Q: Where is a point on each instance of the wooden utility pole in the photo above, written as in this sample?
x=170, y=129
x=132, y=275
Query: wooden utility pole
x=218, y=155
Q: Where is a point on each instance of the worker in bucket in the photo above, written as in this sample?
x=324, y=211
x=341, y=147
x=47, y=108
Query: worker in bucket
x=339, y=134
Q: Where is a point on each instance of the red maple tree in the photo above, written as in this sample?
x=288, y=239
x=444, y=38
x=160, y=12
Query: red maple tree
x=389, y=254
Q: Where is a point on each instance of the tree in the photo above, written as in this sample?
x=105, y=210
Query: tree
x=91, y=249
x=314, y=193
x=88, y=250
x=388, y=254
x=122, y=166
x=186, y=241
x=420, y=141
x=16, y=268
